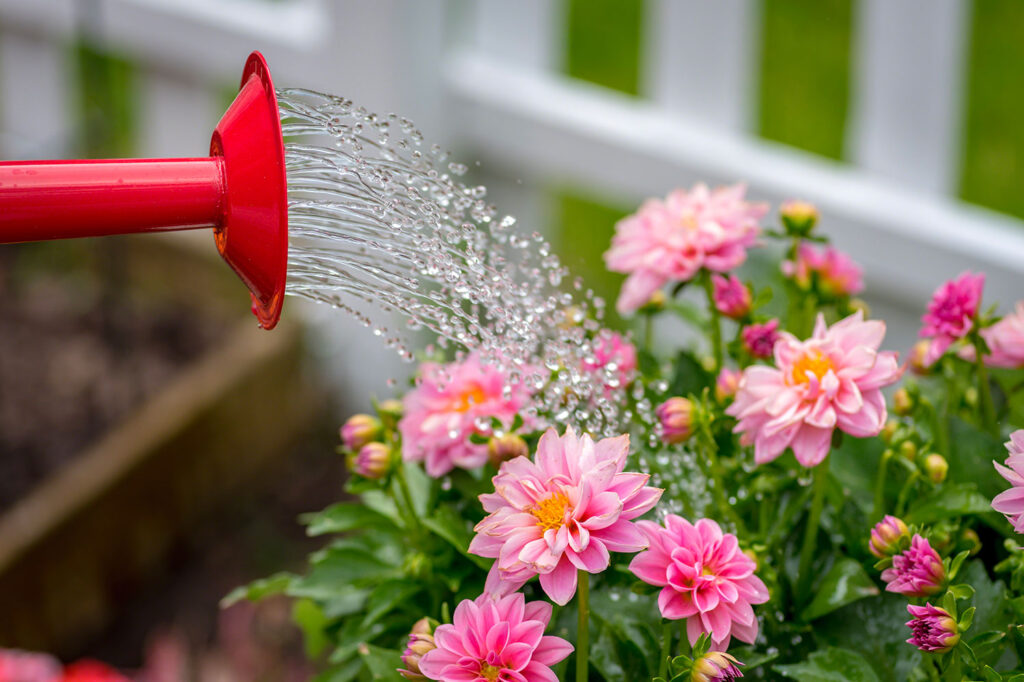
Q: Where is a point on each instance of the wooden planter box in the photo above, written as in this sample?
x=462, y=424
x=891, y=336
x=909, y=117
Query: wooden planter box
x=86, y=539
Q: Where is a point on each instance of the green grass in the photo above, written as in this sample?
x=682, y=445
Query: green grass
x=804, y=79
x=106, y=87
x=603, y=44
x=992, y=173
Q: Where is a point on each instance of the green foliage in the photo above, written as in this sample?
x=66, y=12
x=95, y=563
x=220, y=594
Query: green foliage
x=830, y=665
x=604, y=40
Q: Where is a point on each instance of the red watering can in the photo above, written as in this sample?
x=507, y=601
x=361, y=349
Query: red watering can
x=239, y=190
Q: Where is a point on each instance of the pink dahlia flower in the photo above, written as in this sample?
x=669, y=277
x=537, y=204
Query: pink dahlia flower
x=25, y=666
x=934, y=629
x=613, y=356
x=704, y=577
x=732, y=297
x=832, y=380
x=715, y=666
x=671, y=240
x=495, y=640
x=562, y=512
x=1005, y=341
x=727, y=383
x=443, y=412
x=917, y=572
x=760, y=339
x=1011, y=502
x=837, y=273
x=951, y=313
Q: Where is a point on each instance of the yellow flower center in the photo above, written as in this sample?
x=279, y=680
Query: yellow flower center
x=473, y=395
x=813, y=361
x=550, y=512
x=489, y=672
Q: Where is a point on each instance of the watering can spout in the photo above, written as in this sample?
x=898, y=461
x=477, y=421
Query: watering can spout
x=240, y=191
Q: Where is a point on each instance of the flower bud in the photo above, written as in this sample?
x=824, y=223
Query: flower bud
x=933, y=629
x=676, y=417
x=859, y=304
x=798, y=217
x=936, y=467
x=503, y=448
x=421, y=640
x=885, y=536
x=971, y=539
x=391, y=408
x=916, y=572
x=759, y=339
x=372, y=461
x=919, y=358
x=732, y=298
x=715, y=666
x=889, y=431
x=908, y=450
x=656, y=303
x=359, y=430
x=727, y=383
x=902, y=403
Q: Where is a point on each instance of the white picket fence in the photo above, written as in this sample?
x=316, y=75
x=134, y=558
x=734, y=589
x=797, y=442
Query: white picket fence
x=484, y=78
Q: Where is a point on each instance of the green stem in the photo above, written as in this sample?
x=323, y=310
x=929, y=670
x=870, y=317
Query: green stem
x=988, y=409
x=811, y=532
x=583, y=628
x=716, y=322
x=883, y=466
x=648, y=331
x=709, y=456
x=666, y=649
x=403, y=488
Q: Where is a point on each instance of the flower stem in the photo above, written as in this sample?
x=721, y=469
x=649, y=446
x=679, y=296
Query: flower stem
x=403, y=487
x=716, y=322
x=666, y=649
x=583, y=628
x=883, y=467
x=988, y=410
x=811, y=532
x=709, y=451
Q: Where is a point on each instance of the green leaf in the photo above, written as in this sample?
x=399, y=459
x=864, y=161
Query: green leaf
x=387, y=596
x=967, y=618
x=874, y=628
x=383, y=664
x=259, y=589
x=345, y=516
x=337, y=569
x=453, y=529
x=343, y=673
x=312, y=621
x=689, y=377
x=845, y=583
x=831, y=665
x=948, y=502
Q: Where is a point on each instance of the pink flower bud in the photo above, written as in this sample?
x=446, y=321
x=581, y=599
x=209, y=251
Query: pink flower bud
x=503, y=448
x=919, y=356
x=934, y=629
x=759, y=339
x=421, y=640
x=676, y=417
x=917, y=572
x=727, y=383
x=359, y=430
x=373, y=461
x=731, y=296
x=885, y=535
x=715, y=666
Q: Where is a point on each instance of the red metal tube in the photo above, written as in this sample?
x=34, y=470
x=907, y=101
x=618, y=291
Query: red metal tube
x=65, y=199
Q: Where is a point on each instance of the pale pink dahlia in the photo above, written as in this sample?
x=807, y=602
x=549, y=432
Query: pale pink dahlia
x=1005, y=340
x=831, y=380
x=731, y=296
x=933, y=629
x=917, y=572
x=1011, y=502
x=837, y=274
x=671, y=240
x=562, y=512
x=445, y=409
x=951, y=313
x=704, y=577
x=495, y=640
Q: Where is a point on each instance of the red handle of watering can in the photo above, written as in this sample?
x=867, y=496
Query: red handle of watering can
x=66, y=199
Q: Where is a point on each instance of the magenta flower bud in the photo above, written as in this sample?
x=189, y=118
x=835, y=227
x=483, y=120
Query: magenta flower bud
x=759, y=339
x=421, y=640
x=731, y=296
x=934, y=629
x=372, y=461
x=503, y=448
x=676, y=417
x=885, y=536
x=715, y=666
x=727, y=383
x=359, y=430
x=798, y=217
x=917, y=572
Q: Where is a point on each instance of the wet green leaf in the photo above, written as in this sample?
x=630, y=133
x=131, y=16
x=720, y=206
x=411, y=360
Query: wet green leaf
x=343, y=517
x=948, y=502
x=845, y=583
x=831, y=665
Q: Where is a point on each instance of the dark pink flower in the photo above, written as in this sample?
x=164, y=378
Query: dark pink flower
x=704, y=577
x=951, y=313
x=495, y=640
x=1011, y=502
x=934, y=629
x=563, y=512
x=917, y=572
x=759, y=339
x=732, y=297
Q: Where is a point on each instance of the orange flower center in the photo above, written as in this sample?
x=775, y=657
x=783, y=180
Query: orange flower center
x=550, y=512
x=473, y=395
x=813, y=361
x=489, y=672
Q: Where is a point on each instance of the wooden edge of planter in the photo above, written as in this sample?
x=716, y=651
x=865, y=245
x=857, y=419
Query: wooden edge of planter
x=96, y=469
